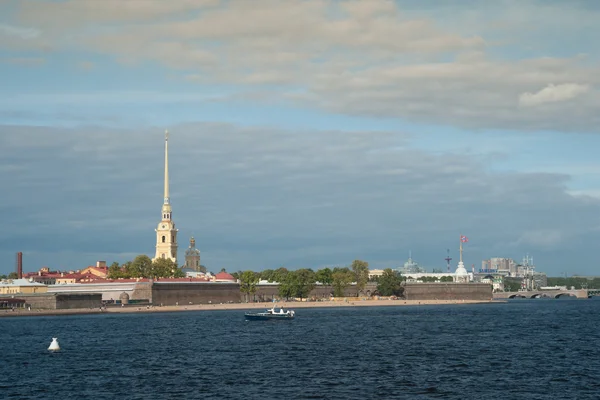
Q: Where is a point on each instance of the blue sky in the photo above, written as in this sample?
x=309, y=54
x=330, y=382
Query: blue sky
x=303, y=133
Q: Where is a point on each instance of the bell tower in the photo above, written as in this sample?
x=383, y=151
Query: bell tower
x=166, y=234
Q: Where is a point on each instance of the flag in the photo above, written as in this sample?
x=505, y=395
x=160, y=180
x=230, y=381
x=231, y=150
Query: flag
x=464, y=239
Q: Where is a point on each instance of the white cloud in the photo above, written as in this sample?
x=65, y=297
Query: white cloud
x=20, y=32
x=552, y=94
x=375, y=58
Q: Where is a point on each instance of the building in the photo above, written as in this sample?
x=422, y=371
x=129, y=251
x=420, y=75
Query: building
x=224, y=277
x=501, y=265
x=411, y=266
x=166, y=234
x=192, y=256
x=375, y=273
x=100, y=270
x=21, y=286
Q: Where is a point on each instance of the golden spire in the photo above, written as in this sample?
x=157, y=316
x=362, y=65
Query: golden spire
x=166, y=200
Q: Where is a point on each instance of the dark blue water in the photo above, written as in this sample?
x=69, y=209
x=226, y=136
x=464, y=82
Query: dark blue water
x=531, y=349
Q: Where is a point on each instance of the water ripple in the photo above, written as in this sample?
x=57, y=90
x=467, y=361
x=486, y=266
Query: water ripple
x=527, y=350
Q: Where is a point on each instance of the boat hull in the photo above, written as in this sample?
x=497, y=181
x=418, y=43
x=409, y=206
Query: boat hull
x=264, y=317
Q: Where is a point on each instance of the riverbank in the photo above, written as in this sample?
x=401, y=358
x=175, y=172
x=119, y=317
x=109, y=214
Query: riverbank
x=236, y=306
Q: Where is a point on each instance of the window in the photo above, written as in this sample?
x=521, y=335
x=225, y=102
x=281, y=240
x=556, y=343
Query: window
x=164, y=255
x=164, y=238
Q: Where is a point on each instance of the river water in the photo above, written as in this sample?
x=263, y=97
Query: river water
x=523, y=349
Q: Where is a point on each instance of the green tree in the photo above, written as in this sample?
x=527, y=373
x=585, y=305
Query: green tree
x=236, y=275
x=360, y=269
x=126, y=270
x=305, y=282
x=341, y=279
x=267, y=275
x=279, y=274
x=297, y=283
x=141, y=267
x=248, y=281
x=390, y=283
x=13, y=275
x=164, y=268
x=114, y=271
x=512, y=284
x=325, y=276
x=287, y=285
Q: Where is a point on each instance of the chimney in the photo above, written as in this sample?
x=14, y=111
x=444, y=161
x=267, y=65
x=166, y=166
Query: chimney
x=101, y=264
x=20, y=265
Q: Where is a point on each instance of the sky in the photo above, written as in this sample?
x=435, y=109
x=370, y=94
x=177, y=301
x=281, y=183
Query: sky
x=303, y=134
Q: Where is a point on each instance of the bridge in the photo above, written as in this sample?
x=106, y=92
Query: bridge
x=552, y=294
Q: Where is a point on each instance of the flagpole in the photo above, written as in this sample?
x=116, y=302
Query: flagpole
x=460, y=241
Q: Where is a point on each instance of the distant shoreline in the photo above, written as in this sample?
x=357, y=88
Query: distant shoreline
x=134, y=309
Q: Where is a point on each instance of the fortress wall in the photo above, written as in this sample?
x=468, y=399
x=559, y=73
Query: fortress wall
x=195, y=293
x=448, y=291
x=57, y=301
x=268, y=292
x=141, y=291
x=79, y=300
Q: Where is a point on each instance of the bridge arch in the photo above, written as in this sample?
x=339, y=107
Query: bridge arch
x=563, y=294
x=517, y=296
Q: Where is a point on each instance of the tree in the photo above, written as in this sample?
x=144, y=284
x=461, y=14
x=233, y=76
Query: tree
x=114, y=271
x=126, y=270
x=236, y=275
x=297, y=283
x=267, y=275
x=164, y=268
x=279, y=274
x=286, y=286
x=13, y=275
x=325, y=276
x=305, y=282
x=248, y=281
x=141, y=267
x=390, y=283
x=341, y=279
x=360, y=269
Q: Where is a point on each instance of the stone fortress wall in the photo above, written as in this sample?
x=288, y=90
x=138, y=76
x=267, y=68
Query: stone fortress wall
x=448, y=291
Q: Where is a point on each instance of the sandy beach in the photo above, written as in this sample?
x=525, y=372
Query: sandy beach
x=238, y=306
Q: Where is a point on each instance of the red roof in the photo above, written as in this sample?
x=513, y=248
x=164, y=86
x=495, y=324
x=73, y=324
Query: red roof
x=224, y=276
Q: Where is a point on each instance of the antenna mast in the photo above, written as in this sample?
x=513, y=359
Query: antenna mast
x=448, y=259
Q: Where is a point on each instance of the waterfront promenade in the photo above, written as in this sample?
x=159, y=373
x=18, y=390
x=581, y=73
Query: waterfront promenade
x=235, y=306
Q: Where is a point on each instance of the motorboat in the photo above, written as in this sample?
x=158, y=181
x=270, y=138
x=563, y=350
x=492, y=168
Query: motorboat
x=271, y=313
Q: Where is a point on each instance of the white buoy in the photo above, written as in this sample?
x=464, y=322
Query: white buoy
x=54, y=345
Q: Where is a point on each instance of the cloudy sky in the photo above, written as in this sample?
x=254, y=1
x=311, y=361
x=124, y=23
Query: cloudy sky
x=303, y=133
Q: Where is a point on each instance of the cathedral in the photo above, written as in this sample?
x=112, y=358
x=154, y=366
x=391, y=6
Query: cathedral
x=166, y=234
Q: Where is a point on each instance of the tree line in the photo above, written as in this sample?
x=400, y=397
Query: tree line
x=577, y=282
x=143, y=267
x=299, y=283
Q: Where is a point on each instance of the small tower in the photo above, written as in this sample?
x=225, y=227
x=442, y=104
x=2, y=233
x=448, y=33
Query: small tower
x=166, y=234
x=461, y=274
x=192, y=256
